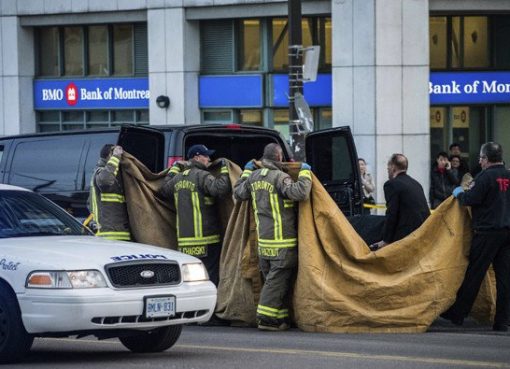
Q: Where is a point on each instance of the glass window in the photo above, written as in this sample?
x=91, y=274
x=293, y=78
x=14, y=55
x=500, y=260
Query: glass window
x=123, y=49
x=327, y=41
x=475, y=42
x=142, y=116
x=281, y=122
x=325, y=119
x=501, y=28
x=48, y=51
x=1, y=152
x=456, y=47
x=280, y=44
x=437, y=41
x=253, y=117
x=218, y=116
x=501, y=130
x=123, y=116
x=73, y=51
x=249, y=39
x=98, y=51
x=38, y=166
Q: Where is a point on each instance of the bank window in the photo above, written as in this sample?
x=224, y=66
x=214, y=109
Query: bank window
x=73, y=51
x=249, y=44
x=459, y=42
x=99, y=50
x=251, y=117
x=315, y=31
x=49, y=54
x=437, y=41
x=123, y=49
x=67, y=120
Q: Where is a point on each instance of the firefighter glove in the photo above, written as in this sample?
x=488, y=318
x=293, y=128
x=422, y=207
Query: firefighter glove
x=250, y=165
x=305, y=166
x=457, y=191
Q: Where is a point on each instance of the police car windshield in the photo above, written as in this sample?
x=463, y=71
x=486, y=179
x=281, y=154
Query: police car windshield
x=25, y=214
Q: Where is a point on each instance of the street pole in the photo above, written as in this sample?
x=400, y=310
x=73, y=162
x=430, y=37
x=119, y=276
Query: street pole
x=295, y=76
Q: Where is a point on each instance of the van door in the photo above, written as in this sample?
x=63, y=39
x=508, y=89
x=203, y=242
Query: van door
x=334, y=160
x=146, y=144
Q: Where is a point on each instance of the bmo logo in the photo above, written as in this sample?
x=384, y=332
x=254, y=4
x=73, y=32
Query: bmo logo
x=71, y=94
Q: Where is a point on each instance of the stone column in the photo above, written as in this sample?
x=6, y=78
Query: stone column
x=16, y=76
x=380, y=82
x=174, y=64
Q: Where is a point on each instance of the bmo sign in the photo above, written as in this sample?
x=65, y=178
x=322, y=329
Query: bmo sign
x=104, y=93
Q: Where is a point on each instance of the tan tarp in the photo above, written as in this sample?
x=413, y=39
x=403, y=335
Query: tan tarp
x=341, y=286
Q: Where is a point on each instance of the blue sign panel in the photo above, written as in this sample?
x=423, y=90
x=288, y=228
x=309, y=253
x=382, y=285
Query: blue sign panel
x=234, y=91
x=316, y=93
x=469, y=88
x=99, y=93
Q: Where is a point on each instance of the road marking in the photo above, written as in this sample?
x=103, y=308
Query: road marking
x=348, y=355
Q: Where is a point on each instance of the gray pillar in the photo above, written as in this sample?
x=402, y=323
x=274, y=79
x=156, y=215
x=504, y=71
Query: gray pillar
x=16, y=75
x=174, y=63
x=380, y=81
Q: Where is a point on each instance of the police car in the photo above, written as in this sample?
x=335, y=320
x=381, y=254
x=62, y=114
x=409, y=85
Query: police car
x=57, y=279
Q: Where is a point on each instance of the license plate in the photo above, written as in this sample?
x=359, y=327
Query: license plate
x=159, y=306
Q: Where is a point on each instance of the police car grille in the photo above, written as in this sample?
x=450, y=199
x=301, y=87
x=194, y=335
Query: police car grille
x=139, y=275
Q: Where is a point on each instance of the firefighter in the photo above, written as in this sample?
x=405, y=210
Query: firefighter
x=194, y=191
x=107, y=202
x=274, y=195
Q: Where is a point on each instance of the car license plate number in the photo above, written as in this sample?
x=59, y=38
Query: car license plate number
x=161, y=306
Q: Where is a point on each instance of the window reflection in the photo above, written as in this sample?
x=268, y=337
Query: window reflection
x=437, y=41
x=98, y=50
x=249, y=58
x=48, y=55
x=73, y=51
x=123, y=49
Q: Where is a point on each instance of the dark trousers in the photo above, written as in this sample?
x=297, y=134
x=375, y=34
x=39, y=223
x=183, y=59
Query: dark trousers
x=278, y=274
x=212, y=262
x=486, y=248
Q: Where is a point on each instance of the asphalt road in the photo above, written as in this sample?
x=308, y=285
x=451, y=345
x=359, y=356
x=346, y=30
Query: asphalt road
x=225, y=347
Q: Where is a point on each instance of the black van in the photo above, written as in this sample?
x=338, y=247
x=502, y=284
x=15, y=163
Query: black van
x=59, y=165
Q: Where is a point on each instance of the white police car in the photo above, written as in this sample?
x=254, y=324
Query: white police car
x=56, y=279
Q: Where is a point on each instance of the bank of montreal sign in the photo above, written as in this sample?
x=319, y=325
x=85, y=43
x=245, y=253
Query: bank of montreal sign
x=99, y=93
x=469, y=88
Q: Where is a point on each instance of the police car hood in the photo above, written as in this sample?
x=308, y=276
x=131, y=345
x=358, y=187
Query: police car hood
x=77, y=252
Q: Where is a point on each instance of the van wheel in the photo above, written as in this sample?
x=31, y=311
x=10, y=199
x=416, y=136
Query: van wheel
x=156, y=340
x=15, y=342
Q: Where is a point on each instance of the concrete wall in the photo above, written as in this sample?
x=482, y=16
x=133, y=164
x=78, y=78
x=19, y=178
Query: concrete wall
x=380, y=75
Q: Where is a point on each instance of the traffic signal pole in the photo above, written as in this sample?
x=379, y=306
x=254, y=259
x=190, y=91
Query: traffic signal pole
x=295, y=76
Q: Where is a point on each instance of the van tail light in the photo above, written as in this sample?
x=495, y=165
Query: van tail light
x=172, y=159
x=233, y=126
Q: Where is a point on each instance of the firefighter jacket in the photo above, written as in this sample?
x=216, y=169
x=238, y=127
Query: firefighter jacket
x=107, y=201
x=274, y=194
x=194, y=190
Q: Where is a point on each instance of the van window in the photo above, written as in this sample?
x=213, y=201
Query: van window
x=332, y=159
x=1, y=153
x=47, y=165
x=239, y=149
x=97, y=142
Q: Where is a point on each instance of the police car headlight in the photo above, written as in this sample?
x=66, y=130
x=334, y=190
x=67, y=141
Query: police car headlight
x=63, y=279
x=194, y=272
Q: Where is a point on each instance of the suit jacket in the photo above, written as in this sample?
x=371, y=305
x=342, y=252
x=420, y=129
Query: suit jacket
x=406, y=207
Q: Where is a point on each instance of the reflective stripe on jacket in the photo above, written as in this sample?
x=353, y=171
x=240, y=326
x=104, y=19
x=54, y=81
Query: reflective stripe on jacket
x=107, y=201
x=273, y=195
x=194, y=191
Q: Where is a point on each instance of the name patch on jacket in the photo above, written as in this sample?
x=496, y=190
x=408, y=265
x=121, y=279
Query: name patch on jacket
x=198, y=251
x=262, y=185
x=184, y=185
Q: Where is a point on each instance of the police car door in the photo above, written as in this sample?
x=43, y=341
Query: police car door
x=334, y=160
x=145, y=144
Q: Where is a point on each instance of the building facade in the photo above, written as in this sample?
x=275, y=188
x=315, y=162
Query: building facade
x=407, y=76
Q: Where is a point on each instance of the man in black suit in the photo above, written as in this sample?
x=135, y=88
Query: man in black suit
x=406, y=205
